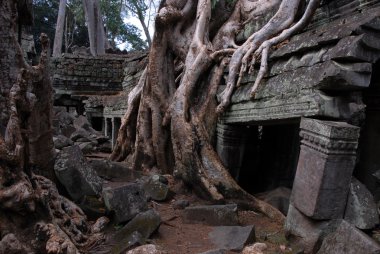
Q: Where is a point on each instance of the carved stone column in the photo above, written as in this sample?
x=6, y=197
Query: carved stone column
x=326, y=162
x=230, y=146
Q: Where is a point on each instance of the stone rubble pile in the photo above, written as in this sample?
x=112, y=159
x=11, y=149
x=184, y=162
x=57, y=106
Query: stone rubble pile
x=70, y=129
x=329, y=207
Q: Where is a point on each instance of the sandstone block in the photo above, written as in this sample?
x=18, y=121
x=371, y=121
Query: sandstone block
x=325, y=165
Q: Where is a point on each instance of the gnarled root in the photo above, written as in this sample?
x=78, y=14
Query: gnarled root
x=18, y=197
x=66, y=215
x=57, y=242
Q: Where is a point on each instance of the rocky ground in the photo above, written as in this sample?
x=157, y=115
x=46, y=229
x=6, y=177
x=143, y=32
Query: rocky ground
x=152, y=213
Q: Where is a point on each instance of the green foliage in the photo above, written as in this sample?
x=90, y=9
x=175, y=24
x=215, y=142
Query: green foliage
x=117, y=31
x=45, y=18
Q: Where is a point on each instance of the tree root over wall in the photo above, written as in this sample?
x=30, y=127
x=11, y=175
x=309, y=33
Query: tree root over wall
x=172, y=112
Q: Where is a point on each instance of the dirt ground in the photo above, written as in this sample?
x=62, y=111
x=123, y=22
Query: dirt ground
x=175, y=236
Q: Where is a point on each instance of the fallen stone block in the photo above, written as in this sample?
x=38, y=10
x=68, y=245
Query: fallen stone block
x=125, y=200
x=112, y=170
x=156, y=187
x=76, y=175
x=302, y=231
x=361, y=209
x=348, y=239
x=232, y=237
x=215, y=215
x=139, y=229
x=62, y=141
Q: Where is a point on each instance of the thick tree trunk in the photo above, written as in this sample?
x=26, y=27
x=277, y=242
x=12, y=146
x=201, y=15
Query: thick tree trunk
x=177, y=110
x=95, y=26
x=31, y=208
x=58, y=38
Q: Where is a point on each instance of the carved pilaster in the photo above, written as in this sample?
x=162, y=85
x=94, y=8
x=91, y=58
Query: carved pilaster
x=230, y=146
x=325, y=166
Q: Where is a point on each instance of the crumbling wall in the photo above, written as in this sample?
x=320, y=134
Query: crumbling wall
x=76, y=74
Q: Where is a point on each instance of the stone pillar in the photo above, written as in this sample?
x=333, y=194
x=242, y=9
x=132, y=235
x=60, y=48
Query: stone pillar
x=113, y=136
x=230, y=146
x=325, y=166
x=105, y=128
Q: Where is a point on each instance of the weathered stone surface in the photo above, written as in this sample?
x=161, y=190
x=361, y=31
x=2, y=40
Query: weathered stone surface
x=86, y=147
x=81, y=134
x=325, y=165
x=146, y=249
x=232, y=237
x=156, y=188
x=278, y=198
x=144, y=224
x=335, y=55
x=257, y=248
x=125, y=200
x=349, y=240
x=74, y=172
x=61, y=141
x=303, y=232
x=361, y=209
x=212, y=215
x=180, y=204
x=116, y=171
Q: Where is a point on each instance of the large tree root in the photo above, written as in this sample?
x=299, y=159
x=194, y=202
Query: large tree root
x=174, y=112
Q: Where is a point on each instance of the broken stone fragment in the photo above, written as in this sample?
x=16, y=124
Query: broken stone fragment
x=156, y=187
x=139, y=229
x=125, y=200
x=232, y=237
x=112, y=170
x=81, y=135
x=215, y=215
x=303, y=232
x=61, y=141
x=76, y=175
x=361, y=208
x=348, y=239
x=146, y=249
x=257, y=248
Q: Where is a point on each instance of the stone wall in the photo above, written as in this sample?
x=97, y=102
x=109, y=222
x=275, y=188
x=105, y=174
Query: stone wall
x=318, y=72
x=75, y=74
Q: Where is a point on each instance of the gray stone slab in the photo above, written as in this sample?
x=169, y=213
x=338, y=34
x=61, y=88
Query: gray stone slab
x=125, y=200
x=215, y=215
x=348, y=239
x=138, y=230
x=232, y=237
x=361, y=209
x=325, y=166
x=303, y=232
x=75, y=173
x=156, y=188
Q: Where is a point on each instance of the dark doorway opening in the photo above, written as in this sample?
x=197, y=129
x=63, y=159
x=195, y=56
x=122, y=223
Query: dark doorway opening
x=97, y=123
x=270, y=157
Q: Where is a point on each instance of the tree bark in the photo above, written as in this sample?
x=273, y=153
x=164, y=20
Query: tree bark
x=58, y=38
x=177, y=109
x=95, y=26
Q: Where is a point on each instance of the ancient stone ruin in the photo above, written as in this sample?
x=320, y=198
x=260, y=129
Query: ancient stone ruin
x=308, y=144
